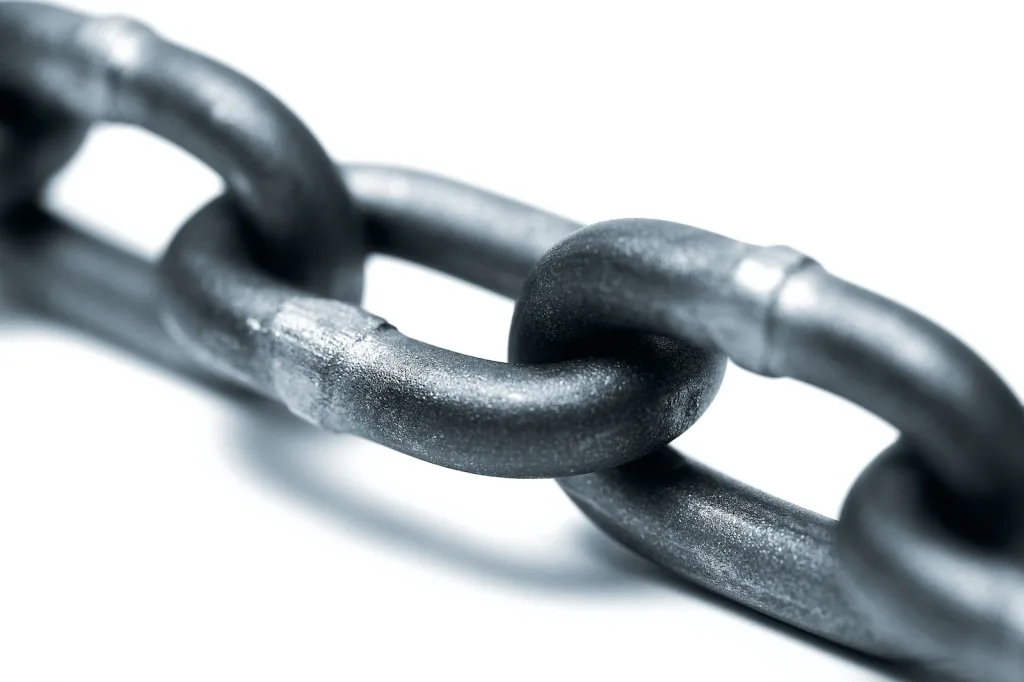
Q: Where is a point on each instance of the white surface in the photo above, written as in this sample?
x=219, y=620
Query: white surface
x=151, y=530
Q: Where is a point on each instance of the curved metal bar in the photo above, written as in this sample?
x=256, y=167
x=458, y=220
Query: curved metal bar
x=958, y=604
x=763, y=552
x=115, y=69
x=35, y=142
x=347, y=370
x=927, y=560
x=460, y=230
x=770, y=555
x=689, y=513
x=778, y=313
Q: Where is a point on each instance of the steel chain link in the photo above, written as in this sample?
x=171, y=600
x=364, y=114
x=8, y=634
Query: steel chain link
x=618, y=345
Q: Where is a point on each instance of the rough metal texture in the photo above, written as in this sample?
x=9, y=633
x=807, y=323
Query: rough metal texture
x=700, y=524
x=737, y=541
x=780, y=314
x=619, y=339
x=346, y=370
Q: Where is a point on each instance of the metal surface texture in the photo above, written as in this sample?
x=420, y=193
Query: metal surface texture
x=618, y=344
x=799, y=586
x=778, y=313
x=347, y=370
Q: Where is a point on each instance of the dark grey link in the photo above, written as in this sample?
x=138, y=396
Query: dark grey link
x=780, y=314
x=755, y=549
x=346, y=370
x=35, y=142
x=65, y=273
x=741, y=543
x=463, y=231
x=957, y=602
x=477, y=236
x=115, y=69
x=693, y=514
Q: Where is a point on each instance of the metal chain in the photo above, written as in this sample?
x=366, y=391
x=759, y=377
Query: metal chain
x=618, y=344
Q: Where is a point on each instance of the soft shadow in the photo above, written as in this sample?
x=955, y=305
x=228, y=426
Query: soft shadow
x=10, y=316
x=284, y=453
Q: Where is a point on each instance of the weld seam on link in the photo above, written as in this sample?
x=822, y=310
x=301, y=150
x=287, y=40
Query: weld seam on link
x=306, y=336
x=763, y=306
x=745, y=330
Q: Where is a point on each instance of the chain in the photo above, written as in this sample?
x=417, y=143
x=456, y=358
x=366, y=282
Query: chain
x=618, y=344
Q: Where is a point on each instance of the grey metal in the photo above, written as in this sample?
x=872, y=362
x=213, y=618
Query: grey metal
x=954, y=595
x=116, y=69
x=618, y=345
x=707, y=521
x=778, y=313
x=35, y=142
x=51, y=267
x=930, y=593
x=346, y=370
x=739, y=542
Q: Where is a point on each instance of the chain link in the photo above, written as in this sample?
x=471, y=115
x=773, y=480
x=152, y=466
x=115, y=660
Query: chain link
x=618, y=344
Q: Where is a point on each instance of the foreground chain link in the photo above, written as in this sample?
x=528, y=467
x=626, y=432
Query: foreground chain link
x=618, y=344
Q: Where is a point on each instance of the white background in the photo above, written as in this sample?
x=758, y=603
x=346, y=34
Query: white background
x=153, y=530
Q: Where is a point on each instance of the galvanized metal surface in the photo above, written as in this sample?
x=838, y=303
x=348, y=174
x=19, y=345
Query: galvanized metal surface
x=778, y=313
x=347, y=370
x=618, y=345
